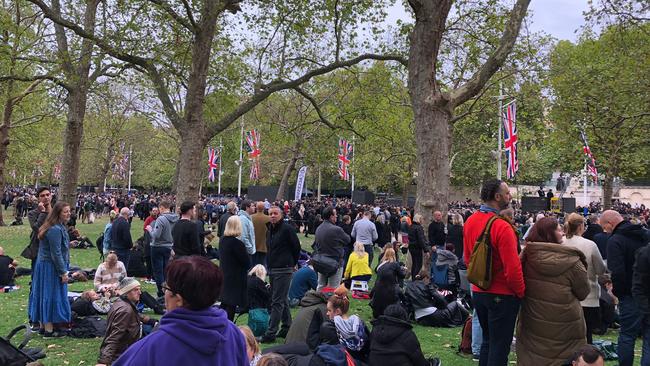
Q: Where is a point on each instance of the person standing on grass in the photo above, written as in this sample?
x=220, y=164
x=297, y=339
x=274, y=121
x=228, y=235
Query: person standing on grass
x=622, y=246
x=284, y=251
x=497, y=307
x=260, y=219
x=184, y=233
x=365, y=232
x=36, y=218
x=161, y=243
x=247, y=236
x=121, y=242
x=330, y=241
x=48, y=300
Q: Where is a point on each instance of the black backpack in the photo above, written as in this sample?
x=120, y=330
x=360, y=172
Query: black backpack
x=99, y=243
x=11, y=355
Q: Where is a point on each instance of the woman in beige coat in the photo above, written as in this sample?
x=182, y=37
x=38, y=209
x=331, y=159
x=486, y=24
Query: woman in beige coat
x=574, y=227
x=551, y=324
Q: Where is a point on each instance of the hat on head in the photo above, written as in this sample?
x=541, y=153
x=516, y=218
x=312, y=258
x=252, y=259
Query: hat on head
x=127, y=284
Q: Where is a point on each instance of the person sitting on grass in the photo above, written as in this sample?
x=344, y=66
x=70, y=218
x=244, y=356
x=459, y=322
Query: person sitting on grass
x=386, y=290
x=7, y=269
x=430, y=307
x=394, y=342
x=351, y=330
x=587, y=355
x=109, y=274
x=252, y=347
x=259, y=300
x=357, y=268
x=124, y=323
x=302, y=280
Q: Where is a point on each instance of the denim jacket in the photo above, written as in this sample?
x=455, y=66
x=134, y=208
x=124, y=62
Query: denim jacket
x=55, y=248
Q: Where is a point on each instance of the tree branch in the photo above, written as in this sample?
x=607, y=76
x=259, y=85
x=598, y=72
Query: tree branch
x=314, y=103
x=496, y=59
x=51, y=78
x=167, y=8
x=277, y=85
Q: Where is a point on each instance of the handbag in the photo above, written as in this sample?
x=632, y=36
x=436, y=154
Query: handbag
x=324, y=264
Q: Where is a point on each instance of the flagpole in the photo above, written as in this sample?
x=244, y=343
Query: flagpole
x=220, y=157
x=130, y=172
x=241, y=156
x=500, y=123
x=354, y=148
x=585, y=181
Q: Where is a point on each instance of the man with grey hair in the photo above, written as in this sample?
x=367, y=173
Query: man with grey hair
x=121, y=241
x=231, y=209
x=624, y=241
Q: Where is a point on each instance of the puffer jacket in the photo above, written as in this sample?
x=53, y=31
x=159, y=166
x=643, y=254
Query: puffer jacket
x=551, y=323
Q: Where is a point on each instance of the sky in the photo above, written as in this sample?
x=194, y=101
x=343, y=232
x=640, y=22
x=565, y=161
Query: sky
x=559, y=18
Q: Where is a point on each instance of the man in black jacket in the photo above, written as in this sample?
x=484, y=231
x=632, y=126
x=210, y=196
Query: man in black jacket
x=121, y=241
x=231, y=209
x=331, y=241
x=436, y=230
x=283, y=252
x=36, y=219
x=625, y=240
x=185, y=233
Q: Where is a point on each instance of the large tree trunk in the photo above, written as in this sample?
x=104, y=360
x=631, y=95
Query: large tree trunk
x=78, y=80
x=291, y=166
x=72, y=145
x=608, y=187
x=430, y=108
x=4, y=138
x=192, y=141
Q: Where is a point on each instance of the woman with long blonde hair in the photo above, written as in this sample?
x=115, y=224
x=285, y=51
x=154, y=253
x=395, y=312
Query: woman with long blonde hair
x=48, y=300
x=358, y=267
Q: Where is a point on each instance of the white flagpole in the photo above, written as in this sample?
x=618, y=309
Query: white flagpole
x=130, y=172
x=584, y=193
x=354, y=150
x=220, y=157
x=500, y=123
x=241, y=155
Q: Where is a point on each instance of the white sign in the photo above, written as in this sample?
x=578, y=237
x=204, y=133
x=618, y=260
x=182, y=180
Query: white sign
x=300, y=182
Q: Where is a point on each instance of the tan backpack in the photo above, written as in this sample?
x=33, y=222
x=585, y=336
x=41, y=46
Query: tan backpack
x=479, y=268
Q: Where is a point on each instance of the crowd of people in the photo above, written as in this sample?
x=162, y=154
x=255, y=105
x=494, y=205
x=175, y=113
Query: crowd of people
x=552, y=280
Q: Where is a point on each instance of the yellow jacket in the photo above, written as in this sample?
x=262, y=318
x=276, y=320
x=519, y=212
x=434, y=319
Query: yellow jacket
x=357, y=266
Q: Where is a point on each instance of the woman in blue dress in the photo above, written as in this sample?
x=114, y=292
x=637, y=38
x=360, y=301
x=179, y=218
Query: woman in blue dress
x=48, y=301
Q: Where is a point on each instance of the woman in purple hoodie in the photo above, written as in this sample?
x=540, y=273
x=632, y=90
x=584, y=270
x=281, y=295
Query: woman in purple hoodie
x=192, y=332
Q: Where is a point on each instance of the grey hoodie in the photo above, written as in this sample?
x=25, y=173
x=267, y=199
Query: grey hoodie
x=161, y=235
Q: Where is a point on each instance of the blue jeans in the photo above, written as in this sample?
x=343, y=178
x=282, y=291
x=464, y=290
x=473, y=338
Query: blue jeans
x=477, y=335
x=497, y=315
x=159, y=258
x=631, y=326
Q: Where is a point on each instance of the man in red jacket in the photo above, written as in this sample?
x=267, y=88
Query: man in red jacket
x=496, y=307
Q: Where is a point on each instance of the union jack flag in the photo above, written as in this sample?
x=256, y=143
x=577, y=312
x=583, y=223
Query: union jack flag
x=345, y=156
x=590, y=161
x=254, y=152
x=214, y=159
x=510, y=139
x=120, y=163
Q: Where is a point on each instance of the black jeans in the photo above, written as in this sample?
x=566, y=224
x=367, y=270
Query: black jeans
x=280, y=279
x=416, y=262
x=592, y=320
x=497, y=315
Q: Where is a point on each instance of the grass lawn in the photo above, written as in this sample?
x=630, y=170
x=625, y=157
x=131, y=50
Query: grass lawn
x=438, y=342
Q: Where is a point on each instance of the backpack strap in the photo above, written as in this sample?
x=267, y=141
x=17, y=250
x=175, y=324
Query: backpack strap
x=485, y=236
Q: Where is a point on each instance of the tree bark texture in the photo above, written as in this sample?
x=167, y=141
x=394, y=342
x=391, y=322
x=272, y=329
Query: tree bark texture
x=608, y=188
x=291, y=166
x=4, y=137
x=189, y=165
